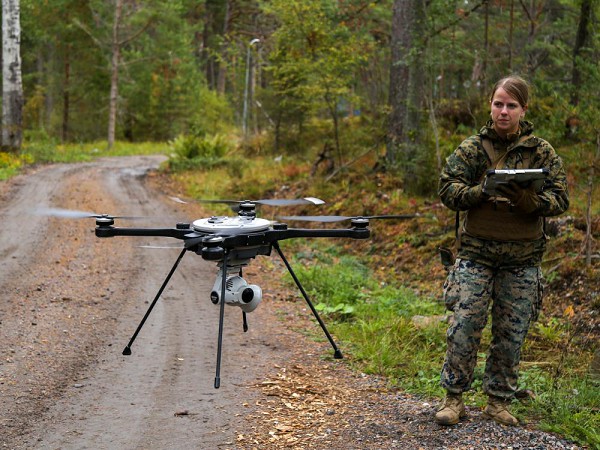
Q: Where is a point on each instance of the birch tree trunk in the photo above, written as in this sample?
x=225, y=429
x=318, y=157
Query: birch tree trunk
x=114, y=75
x=12, y=86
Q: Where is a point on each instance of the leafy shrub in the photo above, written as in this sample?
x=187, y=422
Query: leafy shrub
x=214, y=114
x=40, y=147
x=191, y=151
x=190, y=146
x=10, y=164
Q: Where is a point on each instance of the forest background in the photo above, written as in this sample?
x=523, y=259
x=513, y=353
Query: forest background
x=355, y=101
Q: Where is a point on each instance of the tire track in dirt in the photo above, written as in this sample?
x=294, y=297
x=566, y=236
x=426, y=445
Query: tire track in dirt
x=71, y=302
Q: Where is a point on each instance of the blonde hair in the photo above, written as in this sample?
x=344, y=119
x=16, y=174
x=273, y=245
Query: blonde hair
x=515, y=86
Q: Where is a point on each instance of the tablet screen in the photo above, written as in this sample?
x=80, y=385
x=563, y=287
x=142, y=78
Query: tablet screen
x=523, y=177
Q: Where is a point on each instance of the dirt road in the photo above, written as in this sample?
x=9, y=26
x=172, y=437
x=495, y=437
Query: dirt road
x=69, y=303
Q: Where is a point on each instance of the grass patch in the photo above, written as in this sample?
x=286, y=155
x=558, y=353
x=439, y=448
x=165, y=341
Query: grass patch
x=10, y=164
x=375, y=320
x=233, y=176
x=46, y=151
x=376, y=324
x=569, y=407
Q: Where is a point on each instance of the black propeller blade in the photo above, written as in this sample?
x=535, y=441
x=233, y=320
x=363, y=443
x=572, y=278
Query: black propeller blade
x=342, y=218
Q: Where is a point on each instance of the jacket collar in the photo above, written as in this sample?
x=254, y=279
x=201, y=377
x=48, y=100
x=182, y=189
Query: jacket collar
x=525, y=131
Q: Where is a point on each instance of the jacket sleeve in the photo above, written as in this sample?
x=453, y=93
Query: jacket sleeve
x=459, y=185
x=554, y=196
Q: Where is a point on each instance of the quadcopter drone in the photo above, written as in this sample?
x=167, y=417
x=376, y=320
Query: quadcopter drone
x=232, y=242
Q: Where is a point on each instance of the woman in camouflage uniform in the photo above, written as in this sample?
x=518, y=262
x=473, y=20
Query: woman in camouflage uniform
x=500, y=248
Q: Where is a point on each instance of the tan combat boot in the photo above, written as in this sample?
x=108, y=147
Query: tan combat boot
x=497, y=410
x=451, y=411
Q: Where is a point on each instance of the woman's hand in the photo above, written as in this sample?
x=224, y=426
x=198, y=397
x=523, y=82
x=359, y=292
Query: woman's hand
x=524, y=199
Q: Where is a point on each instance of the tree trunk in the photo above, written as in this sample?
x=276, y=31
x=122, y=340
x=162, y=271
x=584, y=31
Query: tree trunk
x=436, y=133
x=66, y=96
x=207, y=58
x=278, y=121
x=12, y=86
x=406, y=87
x=114, y=76
x=48, y=52
x=511, y=28
x=580, y=42
x=400, y=43
x=486, y=45
x=332, y=106
x=222, y=75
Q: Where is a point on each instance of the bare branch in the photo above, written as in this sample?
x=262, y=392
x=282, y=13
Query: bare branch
x=456, y=21
x=87, y=31
x=137, y=33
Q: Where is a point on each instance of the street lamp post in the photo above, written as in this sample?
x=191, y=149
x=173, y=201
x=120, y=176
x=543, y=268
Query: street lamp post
x=247, y=85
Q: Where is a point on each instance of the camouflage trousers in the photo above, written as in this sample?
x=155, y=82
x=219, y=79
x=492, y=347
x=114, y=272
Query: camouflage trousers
x=515, y=295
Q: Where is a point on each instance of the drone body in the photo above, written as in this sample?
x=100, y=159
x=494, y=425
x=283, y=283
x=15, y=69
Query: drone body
x=232, y=243
x=237, y=291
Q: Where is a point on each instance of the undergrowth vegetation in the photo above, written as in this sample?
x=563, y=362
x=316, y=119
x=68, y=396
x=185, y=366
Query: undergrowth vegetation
x=10, y=164
x=201, y=151
x=399, y=333
x=381, y=297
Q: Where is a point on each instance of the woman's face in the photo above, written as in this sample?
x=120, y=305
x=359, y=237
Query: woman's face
x=506, y=113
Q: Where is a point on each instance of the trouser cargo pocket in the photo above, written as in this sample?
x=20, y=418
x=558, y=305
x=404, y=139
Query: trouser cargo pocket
x=451, y=292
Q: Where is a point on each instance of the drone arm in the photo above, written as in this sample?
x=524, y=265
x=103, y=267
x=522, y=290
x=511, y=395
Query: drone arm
x=292, y=233
x=104, y=231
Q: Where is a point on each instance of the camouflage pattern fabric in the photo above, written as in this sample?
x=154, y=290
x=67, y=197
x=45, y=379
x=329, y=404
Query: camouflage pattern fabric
x=502, y=273
x=460, y=185
x=515, y=295
x=502, y=254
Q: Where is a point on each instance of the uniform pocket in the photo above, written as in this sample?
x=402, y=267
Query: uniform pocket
x=451, y=292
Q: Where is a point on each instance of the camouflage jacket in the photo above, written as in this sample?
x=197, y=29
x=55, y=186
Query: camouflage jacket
x=460, y=190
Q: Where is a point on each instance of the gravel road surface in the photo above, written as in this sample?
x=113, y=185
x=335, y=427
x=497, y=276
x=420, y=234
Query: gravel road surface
x=71, y=302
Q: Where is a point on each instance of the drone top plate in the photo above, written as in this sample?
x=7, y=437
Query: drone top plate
x=235, y=225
